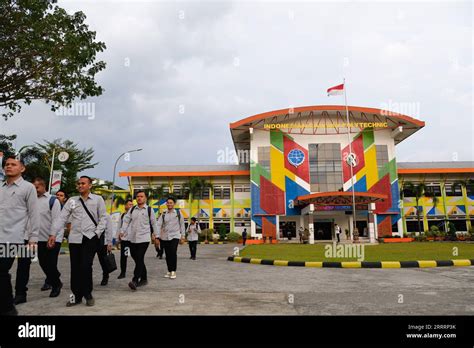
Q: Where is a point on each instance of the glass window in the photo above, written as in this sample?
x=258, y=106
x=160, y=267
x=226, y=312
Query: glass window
x=433, y=190
x=382, y=155
x=453, y=189
x=325, y=167
x=264, y=157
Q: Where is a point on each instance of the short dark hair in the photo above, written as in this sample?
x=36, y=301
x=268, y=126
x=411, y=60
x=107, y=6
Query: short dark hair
x=16, y=157
x=172, y=198
x=141, y=191
x=40, y=180
x=193, y=219
x=86, y=177
x=128, y=200
x=65, y=194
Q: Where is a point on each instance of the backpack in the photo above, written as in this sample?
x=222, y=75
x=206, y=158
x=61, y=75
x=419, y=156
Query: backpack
x=149, y=216
x=177, y=213
x=52, y=199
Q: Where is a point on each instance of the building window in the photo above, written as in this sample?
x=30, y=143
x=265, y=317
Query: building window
x=264, y=157
x=469, y=190
x=221, y=192
x=179, y=192
x=433, y=190
x=325, y=167
x=382, y=155
x=202, y=195
x=242, y=188
x=453, y=189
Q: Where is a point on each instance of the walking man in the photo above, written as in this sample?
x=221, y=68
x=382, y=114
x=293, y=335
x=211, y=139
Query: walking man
x=88, y=218
x=138, y=225
x=18, y=205
x=48, y=249
x=193, y=235
x=244, y=236
x=337, y=229
x=124, y=242
x=171, y=232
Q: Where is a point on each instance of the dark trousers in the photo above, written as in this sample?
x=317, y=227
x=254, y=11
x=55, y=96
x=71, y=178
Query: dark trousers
x=22, y=274
x=6, y=290
x=124, y=253
x=82, y=259
x=338, y=238
x=138, y=251
x=159, y=249
x=193, y=248
x=171, y=250
x=244, y=240
x=102, y=255
x=48, y=260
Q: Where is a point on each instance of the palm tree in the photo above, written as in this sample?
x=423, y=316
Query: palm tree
x=418, y=190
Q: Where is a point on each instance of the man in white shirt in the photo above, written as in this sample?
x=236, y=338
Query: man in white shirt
x=171, y=231
x=105, y=246
x=138, y=226
x=337, y=229
x=18, y=206
x=193, y=235
x=48, y=248
x=88, y=219
x=124, y=242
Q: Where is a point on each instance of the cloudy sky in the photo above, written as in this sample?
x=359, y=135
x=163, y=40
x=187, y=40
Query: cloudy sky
x=179, y=72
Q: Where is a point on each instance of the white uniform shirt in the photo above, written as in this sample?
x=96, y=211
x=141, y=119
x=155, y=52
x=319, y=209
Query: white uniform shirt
x=136, y=224
x=193, y=232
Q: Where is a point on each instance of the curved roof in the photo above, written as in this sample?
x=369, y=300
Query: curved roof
x=317, y=119
x=340, y=198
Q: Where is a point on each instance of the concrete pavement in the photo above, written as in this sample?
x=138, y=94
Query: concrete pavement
x=211, y=285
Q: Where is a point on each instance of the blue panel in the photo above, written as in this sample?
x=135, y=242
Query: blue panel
x=395, y=218
x=257, y=220
x=271, y=218
x=361, y=185
x=293, y=190
x=255, y=195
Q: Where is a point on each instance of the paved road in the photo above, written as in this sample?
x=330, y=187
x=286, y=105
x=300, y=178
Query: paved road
x=212, y=285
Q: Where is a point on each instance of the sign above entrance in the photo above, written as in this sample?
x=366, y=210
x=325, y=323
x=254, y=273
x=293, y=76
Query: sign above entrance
x=296, y=157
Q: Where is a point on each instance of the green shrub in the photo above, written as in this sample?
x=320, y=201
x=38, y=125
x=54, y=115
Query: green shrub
x=209, y=232
x=233, y=237
x=222, y=231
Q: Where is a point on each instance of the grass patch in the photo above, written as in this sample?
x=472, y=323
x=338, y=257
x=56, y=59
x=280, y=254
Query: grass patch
x=382, y=252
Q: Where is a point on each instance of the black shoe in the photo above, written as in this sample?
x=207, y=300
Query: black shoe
x=161, y=257
x=45, y=287
x=121, y=276
x=90, y=302
x=12, y=312
x=56, y=291
x=105, y=281
x=133, y=285
x=193, y=258
x=71, y=304
x=142, y=282
x=158, y=255
x=19, y=299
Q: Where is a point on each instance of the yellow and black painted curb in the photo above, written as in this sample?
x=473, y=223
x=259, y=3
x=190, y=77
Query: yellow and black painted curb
x=213, y=243
x=356, y=264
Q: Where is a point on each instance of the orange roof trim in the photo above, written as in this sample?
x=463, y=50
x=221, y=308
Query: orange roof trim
x=326, y=108
x=210, y=173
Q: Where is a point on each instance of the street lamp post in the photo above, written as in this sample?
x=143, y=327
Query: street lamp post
x=113, y=178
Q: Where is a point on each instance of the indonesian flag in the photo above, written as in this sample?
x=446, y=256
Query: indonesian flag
x=336, y=90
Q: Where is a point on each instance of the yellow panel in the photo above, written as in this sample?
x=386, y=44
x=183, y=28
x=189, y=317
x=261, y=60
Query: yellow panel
x=256, y=261
x=424, y=264
x=290, y=175
x=370, y=157
x=350, y=264
x=277, y=164
x=461, y=262
x=313, y=264
x=280, y=263
x=361, y=173
x=390, y=264
x=237, y=259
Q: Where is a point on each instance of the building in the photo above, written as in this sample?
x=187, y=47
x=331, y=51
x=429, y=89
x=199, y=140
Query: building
x=297, y=168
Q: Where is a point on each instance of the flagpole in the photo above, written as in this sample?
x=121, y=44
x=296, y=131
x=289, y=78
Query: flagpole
x=351, y=168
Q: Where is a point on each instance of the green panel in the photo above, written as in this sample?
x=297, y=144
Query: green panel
x=368, y=139
x=392, y=168
x=276, y=139
x=256, y=170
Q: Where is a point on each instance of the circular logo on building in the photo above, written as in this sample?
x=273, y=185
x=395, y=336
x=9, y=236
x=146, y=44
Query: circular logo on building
x=351, y=159
x=296, y=157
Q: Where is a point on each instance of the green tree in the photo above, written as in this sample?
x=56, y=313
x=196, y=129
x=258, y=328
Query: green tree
x=6, y=145
x=196, y=186
x=45, y=54
x=418, y=191
x=38, y=162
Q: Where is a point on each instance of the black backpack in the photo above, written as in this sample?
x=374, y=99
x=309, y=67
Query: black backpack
x=177, y=213
x=149, y=216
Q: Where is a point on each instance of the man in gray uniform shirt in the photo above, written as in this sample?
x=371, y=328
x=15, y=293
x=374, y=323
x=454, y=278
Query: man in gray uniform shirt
x=88, y=219
x=18, y=205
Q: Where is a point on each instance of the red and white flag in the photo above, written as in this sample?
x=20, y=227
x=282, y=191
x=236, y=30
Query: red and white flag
x=336, y=90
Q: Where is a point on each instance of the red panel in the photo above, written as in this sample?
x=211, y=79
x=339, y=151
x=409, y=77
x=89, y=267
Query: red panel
x=301, y=171
x=358, y=149
x=385, y=227
x=268, y=229
x=272, y=199
x=383, y=186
